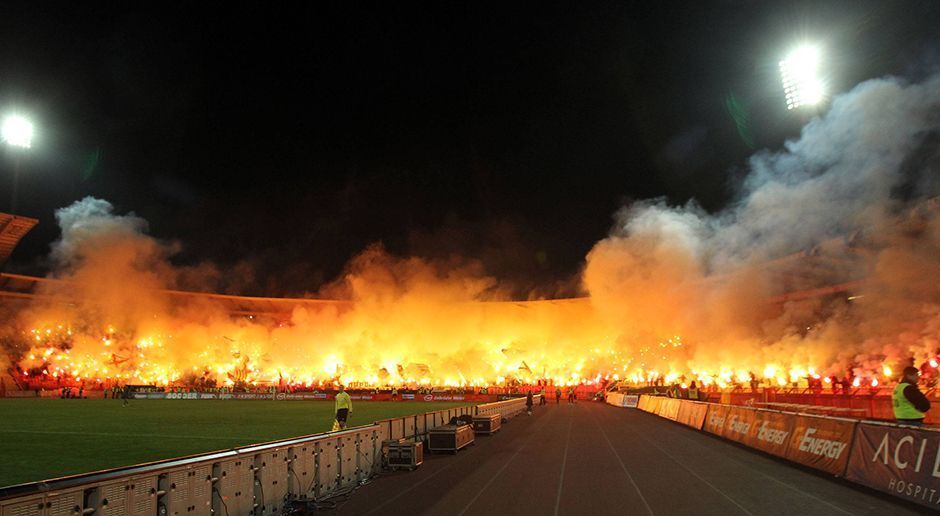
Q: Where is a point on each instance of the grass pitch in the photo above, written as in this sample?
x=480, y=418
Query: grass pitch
x=48, y=438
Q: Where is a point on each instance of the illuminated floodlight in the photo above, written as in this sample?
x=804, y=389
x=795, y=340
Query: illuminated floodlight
x=800, y=83
x=17, y=131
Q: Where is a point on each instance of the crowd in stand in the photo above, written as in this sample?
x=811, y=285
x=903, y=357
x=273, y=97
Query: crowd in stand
x=69, y=388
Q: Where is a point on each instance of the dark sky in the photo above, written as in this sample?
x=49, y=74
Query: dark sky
x=288, y=138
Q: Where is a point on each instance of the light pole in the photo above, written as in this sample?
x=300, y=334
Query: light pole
x=799, y=74
x=17, y=132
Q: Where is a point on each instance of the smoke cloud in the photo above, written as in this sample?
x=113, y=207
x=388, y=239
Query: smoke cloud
x=851, y=195
x=673, y=289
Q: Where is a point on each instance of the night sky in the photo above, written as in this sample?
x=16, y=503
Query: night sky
x=287, y=138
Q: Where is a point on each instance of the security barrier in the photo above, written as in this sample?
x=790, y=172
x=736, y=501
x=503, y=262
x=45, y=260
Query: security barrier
x=507, y=408
x=417, y=426
x=692, y=413
x=669, y=408
x=252, y=480
x=900, y=460
x=867, y=402
x=257, y=479
x=619, y=399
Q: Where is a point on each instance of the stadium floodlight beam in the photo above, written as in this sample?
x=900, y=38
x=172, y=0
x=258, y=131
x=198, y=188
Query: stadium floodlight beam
x=801, y=84
x=17, y=131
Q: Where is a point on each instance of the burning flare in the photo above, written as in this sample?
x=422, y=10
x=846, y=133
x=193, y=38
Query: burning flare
x=818, y=272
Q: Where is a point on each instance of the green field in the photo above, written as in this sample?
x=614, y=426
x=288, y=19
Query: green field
x=47, y=438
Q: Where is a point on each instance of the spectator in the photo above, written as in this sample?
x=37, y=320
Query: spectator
x=910, y=405
x=693, y=391
x=673, y=391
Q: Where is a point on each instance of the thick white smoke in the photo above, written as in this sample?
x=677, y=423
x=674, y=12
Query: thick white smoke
x=673, y=289
x=840, y=194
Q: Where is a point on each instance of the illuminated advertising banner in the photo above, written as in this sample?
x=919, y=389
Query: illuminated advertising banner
x=769, y=432
x=181, y=395
x=715, y=419
x=669, y=408
x=764, y=430
x=821, y=442
x=902, y=461
x=738, y=423
x=653, y=405
x=301, y=396
x=148, y=395
x=619, y=399
x=692, y=414
x=310, y=396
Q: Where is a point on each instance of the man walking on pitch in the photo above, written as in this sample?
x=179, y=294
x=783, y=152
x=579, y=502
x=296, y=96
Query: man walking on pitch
x=910, y=405
x=343, y=407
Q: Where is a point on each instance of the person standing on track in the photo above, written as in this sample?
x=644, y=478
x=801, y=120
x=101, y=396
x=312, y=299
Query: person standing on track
x=557, y=395
x=528, y=402
x=910, y=405
x=343, y=407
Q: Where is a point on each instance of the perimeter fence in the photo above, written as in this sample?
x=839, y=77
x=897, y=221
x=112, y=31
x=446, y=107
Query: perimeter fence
x=900, y=460
x=254, y=480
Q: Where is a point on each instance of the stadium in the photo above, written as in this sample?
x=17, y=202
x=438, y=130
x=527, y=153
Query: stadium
x=142, y=399
x=764, y=341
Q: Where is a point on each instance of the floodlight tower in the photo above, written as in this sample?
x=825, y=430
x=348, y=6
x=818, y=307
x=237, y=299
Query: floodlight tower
x=801, y=84
x=17, y=132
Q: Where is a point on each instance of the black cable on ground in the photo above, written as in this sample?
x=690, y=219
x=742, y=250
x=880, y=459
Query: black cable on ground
x=221, y=499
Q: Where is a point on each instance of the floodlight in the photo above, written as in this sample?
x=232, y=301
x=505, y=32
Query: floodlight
x=17, y=131
x=800, y=83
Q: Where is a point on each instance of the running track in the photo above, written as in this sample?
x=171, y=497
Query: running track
x=594, y=459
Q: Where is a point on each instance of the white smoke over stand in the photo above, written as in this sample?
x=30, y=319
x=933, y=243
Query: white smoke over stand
x=673, y=289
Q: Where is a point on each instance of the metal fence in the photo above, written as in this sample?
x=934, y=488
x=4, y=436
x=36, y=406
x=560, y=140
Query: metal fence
x=253, y=480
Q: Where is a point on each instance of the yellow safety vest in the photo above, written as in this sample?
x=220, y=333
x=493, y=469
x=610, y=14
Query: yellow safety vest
x=903, y=408
x=693, y=393
x=343, y=401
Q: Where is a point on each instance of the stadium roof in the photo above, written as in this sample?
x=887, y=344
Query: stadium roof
x=12, y=229
x=16, y=286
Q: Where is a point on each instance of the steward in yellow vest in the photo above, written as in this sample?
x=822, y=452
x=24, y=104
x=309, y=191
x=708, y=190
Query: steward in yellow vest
x=343, y=407
x=693, y=391
x=674, y=392
x=910, y=405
